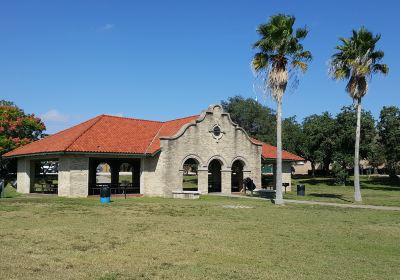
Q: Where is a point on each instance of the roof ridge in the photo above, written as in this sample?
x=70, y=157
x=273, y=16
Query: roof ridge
x=129, y=118
x=178, y=119
x=154, y=138
x=80, y=135
x=51, y=135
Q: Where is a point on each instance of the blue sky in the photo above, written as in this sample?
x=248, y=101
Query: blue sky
x=68, y=61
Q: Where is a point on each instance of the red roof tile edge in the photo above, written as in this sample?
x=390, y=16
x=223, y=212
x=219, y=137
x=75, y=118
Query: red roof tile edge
x=161, y=129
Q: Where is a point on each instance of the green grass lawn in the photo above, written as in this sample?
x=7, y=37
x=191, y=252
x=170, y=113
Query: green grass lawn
x=375, y=190
x=44, y=237
x=189, y=182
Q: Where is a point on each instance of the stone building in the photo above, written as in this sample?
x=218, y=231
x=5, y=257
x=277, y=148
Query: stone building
x=157, y=152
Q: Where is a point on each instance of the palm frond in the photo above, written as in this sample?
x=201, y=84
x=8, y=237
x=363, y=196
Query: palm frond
x=304, y=55
x=300, y=64
x=356, y=60
x=301, y=33
x=280, y=49
x=260, y=61
x=381, y=68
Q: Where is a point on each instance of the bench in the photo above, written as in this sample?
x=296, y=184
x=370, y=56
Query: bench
x=186, y=194
x=265, y=193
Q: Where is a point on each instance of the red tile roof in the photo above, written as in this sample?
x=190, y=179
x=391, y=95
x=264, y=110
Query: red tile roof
x=106, y=134
x=110, y=134
x=269, y=152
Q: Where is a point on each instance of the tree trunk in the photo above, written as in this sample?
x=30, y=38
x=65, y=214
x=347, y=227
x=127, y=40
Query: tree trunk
x=313, y=168
x=357, y=190
x=278, y=181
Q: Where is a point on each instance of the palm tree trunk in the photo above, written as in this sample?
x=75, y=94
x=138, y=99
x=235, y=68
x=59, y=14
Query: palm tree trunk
x=278, y=181
x=357, y=190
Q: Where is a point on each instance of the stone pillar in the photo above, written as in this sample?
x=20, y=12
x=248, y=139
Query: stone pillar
x=274, y=175
x=142, y=169
x=25, y=175
x=179, y=185
x=202, y=180
x=226, y=181
x=73, y=176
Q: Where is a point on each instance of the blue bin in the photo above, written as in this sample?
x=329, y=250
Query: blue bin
x=105, y=194
x=105, y=200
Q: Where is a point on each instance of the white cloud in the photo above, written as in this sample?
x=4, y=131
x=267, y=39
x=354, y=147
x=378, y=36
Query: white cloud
x=54, y=116
x=106, y=27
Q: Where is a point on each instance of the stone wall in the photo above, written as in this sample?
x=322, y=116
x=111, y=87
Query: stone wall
x=25, y=175
x=73, y=176
x=286, y=174
x=197, y=141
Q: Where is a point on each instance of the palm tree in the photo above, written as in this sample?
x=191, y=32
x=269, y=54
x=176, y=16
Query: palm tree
x=356, y=61
x=280, y=51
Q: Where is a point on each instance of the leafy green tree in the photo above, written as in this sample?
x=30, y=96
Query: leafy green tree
x=340, y=174
x=256, y=119
x=356, y=61
x=292, y=136
x=279, y=50
x=389, y=133
x=260, y=122
x=318, y=131
x=376, y=156
x=16, y=129
x=345, y=136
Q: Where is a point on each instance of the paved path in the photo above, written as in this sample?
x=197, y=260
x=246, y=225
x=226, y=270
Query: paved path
x=374, y=207
x=390, y=208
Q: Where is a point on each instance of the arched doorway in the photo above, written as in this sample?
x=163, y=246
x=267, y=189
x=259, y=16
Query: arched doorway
x=190, y=176
x=103, y=173
x=129, y=178
x=125, y=173
x=214, y=176
x=237, y=176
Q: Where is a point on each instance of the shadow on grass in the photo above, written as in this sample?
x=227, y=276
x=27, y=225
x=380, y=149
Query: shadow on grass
x=318, y=181
x=329, y=195
x=377, y=188
x=391, y=184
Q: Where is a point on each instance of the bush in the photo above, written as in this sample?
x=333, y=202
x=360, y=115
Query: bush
x=340, y=174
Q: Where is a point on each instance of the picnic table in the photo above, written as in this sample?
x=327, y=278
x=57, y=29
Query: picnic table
x=47, y=187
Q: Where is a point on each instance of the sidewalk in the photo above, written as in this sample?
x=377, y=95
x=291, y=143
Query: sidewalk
x=374, y=207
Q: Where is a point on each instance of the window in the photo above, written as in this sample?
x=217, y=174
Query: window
x=217, y=131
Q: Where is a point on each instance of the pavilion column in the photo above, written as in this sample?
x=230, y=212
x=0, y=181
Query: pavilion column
x=179, y=186
x=136, y=174
x=73, y=176
x=114, y=172
x=226, y=181
x=25, y=175
x=202, y=180
x=92, y=172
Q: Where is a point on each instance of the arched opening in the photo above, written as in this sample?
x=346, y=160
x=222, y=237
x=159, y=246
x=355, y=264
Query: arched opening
x=129, y=178
x=237, y=176
x=45, y=176
x=103, y=173
x=214, y=176
x=190, y=177
x=125, y=174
